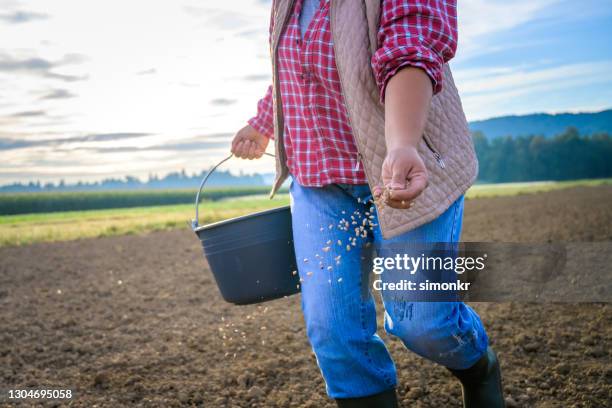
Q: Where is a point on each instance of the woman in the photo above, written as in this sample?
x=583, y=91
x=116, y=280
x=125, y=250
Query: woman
x=363, y=103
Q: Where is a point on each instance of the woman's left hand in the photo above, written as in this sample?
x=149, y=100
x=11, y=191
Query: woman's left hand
x=404, y=175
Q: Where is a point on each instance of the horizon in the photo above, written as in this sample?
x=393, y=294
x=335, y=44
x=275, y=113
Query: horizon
x=154, y=89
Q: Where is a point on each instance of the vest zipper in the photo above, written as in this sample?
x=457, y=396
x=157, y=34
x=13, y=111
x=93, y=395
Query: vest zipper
x=435, y=153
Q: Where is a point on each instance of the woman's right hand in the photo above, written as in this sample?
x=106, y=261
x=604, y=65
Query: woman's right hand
x=249, y=143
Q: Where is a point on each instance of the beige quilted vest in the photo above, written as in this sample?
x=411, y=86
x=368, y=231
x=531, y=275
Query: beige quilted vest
x=446, y=148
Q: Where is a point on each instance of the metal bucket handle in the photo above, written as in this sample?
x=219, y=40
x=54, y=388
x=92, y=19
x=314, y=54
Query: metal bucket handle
x=194, y=222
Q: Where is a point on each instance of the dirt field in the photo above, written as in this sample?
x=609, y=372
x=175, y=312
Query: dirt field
x=136, y=320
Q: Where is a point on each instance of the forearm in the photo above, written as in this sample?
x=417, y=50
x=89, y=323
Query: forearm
x=407, y=99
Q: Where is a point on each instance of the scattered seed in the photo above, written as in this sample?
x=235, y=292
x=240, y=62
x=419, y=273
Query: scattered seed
x=329, y=268
x=326, y=249
x=348, y=247
x=339, y=279
x=306, y=260
x=309, y=273
x=294, y=273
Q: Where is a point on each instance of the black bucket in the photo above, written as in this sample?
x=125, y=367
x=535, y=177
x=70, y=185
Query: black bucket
x=251, y=257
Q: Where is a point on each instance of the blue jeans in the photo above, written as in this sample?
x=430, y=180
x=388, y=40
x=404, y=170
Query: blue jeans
x=341, y=320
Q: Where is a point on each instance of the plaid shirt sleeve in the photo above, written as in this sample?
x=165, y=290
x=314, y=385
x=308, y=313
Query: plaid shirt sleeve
x=418, y=33
x=263, y=122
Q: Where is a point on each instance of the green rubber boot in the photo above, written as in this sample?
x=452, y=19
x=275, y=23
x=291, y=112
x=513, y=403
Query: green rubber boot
x=481, y=384
x=386, y=399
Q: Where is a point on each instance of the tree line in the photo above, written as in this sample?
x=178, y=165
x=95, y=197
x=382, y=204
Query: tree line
x=566, y=156
x=175, y=180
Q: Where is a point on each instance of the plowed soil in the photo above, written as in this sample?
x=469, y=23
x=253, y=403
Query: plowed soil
x=138, y=321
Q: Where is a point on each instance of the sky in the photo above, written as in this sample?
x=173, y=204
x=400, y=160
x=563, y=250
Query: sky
x=98, y=89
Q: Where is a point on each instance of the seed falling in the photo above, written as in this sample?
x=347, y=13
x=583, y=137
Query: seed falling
x=329, y=268
x=305, y=260
x=329, y=242
x=339, y=279
x=294, y=273
x=309, y=273
x=348, y=247
x=326, y=249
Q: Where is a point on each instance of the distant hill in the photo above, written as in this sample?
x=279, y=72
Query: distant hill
x=177, y=180
x=544, y=124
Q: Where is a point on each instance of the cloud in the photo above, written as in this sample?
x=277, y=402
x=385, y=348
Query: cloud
x=149, y=71
x=58, y=94
x=9, y=144
x=219, y=18
x=28, y=114
x=176, y=147
x=222, y=102
x=19, y=17
x=41, y=67
x=257, y=77
x=495, y=91
x=105, y=137
x=479, y=19
x=521, y=79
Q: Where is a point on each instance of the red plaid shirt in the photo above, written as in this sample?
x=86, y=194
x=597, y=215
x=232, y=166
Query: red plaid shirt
x=318, y=138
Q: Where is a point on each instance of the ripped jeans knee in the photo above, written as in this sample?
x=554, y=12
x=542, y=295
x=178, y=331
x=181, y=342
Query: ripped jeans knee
x=448, y=333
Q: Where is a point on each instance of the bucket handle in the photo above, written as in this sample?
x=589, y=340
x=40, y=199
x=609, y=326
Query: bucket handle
x=194, y=222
